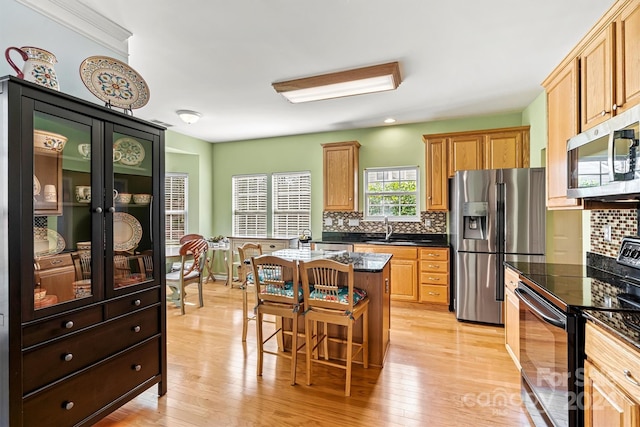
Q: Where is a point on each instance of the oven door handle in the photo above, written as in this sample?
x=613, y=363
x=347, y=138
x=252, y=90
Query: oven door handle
x=541, y=309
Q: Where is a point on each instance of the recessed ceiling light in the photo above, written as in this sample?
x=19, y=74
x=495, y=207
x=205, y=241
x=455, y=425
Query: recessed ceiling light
x=389, y=120
x=376, y=78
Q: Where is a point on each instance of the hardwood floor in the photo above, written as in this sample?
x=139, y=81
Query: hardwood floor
x=438, y=372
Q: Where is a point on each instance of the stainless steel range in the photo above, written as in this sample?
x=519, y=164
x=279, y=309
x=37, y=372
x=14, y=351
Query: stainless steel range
x=552, y=300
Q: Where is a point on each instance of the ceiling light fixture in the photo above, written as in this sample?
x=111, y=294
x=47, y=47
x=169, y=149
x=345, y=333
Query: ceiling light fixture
x=376, y=78
x=390, y=120
x=188, y=116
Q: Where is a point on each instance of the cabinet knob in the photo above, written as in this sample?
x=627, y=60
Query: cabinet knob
x=67, y=405
x=604, y=113
x=137, y=368
x=68, y=357
x=137, y=302
x=614, y=107
x=112, y=209
x=98, y=209
x=136, y=328
x=68, y=324
x=629, y=377
x=429, y=198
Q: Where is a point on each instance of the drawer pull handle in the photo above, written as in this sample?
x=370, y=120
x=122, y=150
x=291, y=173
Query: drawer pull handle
x=56, y=261
x=68, y=324
x=434, y=293
x=137, y=368
x=136, y=329
x=629, y=376
x=68, y=357
x=67, y=405
x=434, y=255
x=434, y=266
x=434, y=278
x=137, y=302
x=386, y=285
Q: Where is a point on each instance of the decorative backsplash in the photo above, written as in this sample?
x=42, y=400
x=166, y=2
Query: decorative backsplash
x=623, y=222
x=438, y=223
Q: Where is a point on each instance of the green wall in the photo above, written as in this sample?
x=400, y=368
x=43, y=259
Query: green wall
x=193, y=156
x=397, y=145
x=535, y=115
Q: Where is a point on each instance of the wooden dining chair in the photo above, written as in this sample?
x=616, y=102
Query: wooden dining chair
x=278, y=293
x=331, y=298
x=192, y=258
x=245, y=275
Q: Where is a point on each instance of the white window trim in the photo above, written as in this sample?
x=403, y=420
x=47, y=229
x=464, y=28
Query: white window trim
x=413, y=218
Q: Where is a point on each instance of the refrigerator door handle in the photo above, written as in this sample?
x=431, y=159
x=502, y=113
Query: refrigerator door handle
x=500, y=237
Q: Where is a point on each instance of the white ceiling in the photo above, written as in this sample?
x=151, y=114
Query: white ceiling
x=458, y=58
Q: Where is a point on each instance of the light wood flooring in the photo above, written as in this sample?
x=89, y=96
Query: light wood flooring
x=438, y=372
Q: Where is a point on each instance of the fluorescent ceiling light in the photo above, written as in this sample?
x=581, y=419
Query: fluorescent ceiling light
x=188, y=116
x=377, y=78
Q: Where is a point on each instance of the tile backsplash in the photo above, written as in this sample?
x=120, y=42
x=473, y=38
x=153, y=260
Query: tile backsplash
x=437, y=223
x=623, y=222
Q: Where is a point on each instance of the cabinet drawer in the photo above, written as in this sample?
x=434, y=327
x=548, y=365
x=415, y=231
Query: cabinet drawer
x=54, y=261
x=60, y=326
x=511, y=279
x=73, y=400
x=434, y=278
x=434, y=293
x=49, y=363
x=613, y=357
x=132, y=302
x=435, y=254
x=437, y=266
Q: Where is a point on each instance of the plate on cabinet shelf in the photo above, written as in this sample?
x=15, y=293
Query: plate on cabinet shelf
x=132, y=151
x=127, y=231
x=36, y=186
x=47, y=242
x=114, y=82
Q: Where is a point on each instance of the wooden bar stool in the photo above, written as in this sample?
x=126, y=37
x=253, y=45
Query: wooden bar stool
x=331, y=298
x=246, y=252
x=278, y=293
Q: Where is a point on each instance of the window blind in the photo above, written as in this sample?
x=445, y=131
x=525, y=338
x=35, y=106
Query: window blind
x=175, y=206
x=291, y=194
x=249, y=194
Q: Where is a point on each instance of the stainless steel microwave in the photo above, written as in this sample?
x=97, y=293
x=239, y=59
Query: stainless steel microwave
x=603, y=161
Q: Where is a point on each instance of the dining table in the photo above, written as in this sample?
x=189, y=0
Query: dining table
x=172, y=254
x=372, y=272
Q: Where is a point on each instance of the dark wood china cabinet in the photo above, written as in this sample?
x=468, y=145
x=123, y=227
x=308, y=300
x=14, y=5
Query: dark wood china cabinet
x=82, y=295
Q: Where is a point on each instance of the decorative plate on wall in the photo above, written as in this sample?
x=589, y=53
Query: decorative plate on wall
x=127, y=231
x=114, y=82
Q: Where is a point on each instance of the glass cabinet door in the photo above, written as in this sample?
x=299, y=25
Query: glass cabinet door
x=133, y=194
x=63, y=220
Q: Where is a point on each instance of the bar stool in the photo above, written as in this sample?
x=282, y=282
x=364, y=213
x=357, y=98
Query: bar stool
x=246, y=252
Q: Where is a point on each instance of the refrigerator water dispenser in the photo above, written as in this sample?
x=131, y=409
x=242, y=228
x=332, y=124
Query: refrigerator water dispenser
x=474, y=216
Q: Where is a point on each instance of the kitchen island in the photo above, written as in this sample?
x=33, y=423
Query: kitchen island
x=372, y=272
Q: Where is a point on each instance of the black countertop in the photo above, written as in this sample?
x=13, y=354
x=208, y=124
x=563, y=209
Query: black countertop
x=400, y=239
x=362, y=262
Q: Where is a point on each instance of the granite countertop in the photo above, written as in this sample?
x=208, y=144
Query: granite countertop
x=400, y=239
x=362, y=262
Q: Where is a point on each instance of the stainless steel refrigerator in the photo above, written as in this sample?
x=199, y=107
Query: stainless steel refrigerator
x=495, y=215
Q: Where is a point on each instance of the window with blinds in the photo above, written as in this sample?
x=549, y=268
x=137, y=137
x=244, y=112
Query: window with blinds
x=291, y=193
x=249, y=205
x=392, y=192
x=175, y=206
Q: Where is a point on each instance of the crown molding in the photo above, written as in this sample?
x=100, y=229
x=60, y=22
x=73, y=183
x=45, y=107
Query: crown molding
x=80, y=18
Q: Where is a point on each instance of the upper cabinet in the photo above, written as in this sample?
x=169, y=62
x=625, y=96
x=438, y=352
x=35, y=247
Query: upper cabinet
x=596, y=91
x=447, y=153
x=627, y=27
x=562, y=124
x=340, y=175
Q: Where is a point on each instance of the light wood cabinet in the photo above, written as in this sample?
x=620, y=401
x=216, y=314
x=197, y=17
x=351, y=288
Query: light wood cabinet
x=485, y=149
x=611, y=377
x=434, y=275
x=562, y=124
x=404, y=269
x=340, y=176
x=511, y=316
x=627, y=27
x=596, y=91
x=465, y=152
x=437, y=183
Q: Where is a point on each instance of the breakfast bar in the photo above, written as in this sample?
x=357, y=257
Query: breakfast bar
x=372, y=273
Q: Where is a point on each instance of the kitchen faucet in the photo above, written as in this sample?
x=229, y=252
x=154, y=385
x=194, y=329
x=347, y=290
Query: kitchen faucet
x=388, y=229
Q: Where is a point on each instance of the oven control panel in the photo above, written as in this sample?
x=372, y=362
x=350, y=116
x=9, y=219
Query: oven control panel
x=629, y=252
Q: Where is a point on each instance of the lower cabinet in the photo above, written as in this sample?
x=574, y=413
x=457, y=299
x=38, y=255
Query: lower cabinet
x=404, y=269
x=611, y=388
x=434, y=275
x=511, y=316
